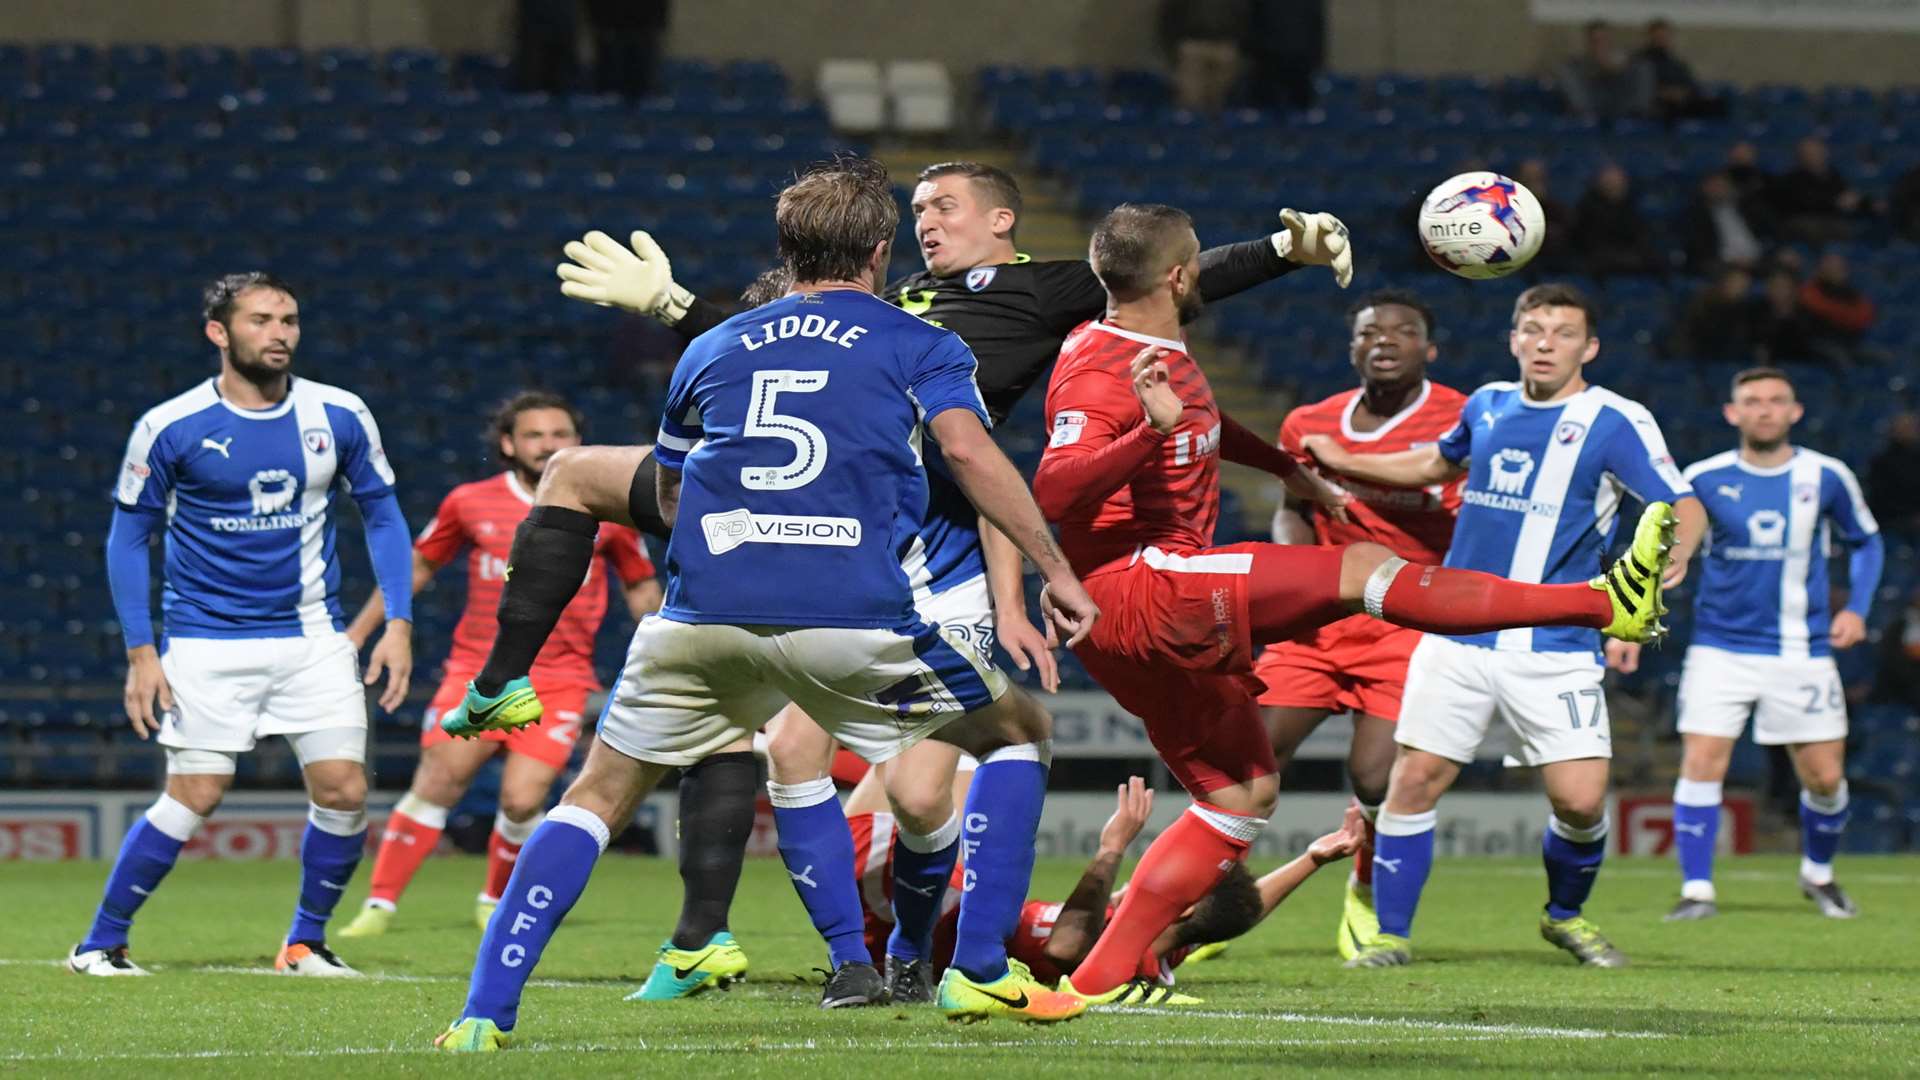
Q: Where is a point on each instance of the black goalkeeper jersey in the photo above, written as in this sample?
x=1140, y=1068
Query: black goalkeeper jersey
x=1015, y=315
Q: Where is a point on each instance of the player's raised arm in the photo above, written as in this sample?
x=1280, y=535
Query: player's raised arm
x=1104, y=433
x=1084, y=913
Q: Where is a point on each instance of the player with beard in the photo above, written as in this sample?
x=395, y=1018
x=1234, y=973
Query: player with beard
x=1013, y=312
x=1359, y=664
x=527, y=431
x=240, y=474
x=1131, y=478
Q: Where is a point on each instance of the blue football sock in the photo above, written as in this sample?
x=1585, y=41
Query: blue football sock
x=922, y=866
x=1002, y=815
x=148, y=852
x=1572, y=857
x=329, y=853
x=547, y=880
x=1402, y=858
x=1696, y=831
x=817, y=846
x=1823, y=821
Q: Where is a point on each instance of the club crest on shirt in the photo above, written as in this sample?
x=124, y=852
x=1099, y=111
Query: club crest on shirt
x=318, y=440
x=1569, y=432
x=980, y=277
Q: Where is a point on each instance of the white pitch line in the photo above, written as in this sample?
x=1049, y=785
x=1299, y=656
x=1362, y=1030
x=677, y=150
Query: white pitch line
x=369, y=976
x=1505, y=1030
x=831, y=1046
x=1786, y=877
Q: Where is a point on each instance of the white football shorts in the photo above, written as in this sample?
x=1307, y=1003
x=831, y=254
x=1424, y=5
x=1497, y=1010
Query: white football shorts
x=1792, y=699
x=1552, y=701
x=689, y=689
x=228, y=693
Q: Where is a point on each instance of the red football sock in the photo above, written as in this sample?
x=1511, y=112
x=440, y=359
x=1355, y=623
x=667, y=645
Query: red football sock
x=1442, y=601
x=405, y=843
x=1180, y=867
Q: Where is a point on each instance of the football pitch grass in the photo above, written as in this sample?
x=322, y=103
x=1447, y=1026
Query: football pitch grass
x=1768, y=988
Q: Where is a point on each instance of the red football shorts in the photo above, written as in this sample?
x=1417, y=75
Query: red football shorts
x=1358, y=664
x=1174, y=646
x=550, y=741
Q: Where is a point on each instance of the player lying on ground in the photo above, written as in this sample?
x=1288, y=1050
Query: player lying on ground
x=240, y=473
x=1013, y=312
x=1547, y=460
x=1054, y=936
x=1131, y=477
x=1764, y=634
x=822, y=492
x=1358, y=665
x=528, y=430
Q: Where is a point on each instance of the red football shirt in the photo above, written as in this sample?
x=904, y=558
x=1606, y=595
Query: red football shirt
x=482, y=516
x=1172, y=503
x=1417, y=523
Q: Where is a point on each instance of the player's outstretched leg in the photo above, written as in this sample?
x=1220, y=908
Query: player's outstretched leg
x=716, y=818
x=547, y=881
x=1696, y=832
x=330, y=851
x=1623, y=603
x=150, y=849
x=580, y=487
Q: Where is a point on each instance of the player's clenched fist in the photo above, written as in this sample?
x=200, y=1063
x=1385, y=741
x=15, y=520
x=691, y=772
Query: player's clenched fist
x=640, y=279
x=1153, y=386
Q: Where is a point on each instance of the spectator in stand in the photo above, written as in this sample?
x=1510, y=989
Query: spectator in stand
x=1838, y=315
x=1904, y=204
x=1812, y=201
x=546, y=42
x=1718, y=231
x=1892, y=490
x=1555, y=251
x=1899, y=678
x=1610, y=235
x=1202, y=38
x=1722, y=321
x=1601, y=83
x=1751, y=184
x=1285, y=47
x=1781, y=328
x=627, y=35
x=1676, y=93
